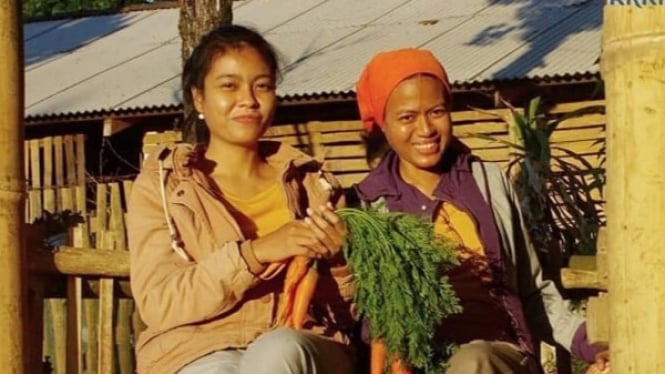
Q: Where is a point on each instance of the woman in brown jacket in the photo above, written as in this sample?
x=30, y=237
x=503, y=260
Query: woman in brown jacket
x=206, y=220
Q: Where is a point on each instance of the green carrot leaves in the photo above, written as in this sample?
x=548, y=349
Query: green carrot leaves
x=402, y=290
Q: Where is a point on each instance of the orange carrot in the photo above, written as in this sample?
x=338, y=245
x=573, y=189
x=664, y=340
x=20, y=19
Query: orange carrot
x=272, y=270
x=303, y=296
x=377, y=361
x=296, y=271
x=399, y=367
x=378, y=356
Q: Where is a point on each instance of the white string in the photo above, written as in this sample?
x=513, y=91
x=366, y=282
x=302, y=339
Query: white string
x=175, y=243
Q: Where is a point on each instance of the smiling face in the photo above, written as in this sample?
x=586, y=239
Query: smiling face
x=417, y=123
x=238, y=97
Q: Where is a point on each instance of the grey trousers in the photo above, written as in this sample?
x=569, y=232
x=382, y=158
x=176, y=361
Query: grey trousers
x=484, y=357
x=282, y=351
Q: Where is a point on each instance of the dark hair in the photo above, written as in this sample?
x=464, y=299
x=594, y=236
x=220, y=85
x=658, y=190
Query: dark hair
x=376, y=146
x=217, y=41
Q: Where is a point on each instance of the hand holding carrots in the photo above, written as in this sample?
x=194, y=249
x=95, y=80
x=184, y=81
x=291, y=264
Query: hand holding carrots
x=329, y=233
x=318, y=236
x=329, y=230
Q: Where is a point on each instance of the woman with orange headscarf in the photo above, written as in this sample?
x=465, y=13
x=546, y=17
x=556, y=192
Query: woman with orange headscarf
x=405, y=94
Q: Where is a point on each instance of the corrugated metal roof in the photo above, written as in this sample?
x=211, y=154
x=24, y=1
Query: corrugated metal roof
x=131, y=61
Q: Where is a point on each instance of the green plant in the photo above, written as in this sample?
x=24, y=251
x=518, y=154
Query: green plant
x=555, y=188
x=56, y=225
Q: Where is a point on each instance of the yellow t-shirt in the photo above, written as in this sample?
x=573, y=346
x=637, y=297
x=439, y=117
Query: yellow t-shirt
x=261, y=214
x=457, y=225
x=483, y=315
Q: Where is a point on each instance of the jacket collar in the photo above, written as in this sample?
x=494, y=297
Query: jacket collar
x=184, y=158
x=187, y=162
x=385, y=181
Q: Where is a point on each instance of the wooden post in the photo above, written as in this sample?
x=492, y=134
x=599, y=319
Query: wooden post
x=12, y=188
x=633, y=67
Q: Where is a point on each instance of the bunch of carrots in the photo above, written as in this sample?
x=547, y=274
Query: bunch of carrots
x=299, y=285
x=377, y=242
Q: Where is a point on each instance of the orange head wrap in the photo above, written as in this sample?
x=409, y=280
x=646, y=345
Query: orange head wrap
x=384, y=72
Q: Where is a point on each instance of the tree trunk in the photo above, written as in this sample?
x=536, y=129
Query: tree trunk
x=196, y=19
x=12, y=189
x=200, y=16
x=633, y=67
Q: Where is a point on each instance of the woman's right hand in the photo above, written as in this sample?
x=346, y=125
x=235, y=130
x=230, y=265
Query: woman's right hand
x=295, y=238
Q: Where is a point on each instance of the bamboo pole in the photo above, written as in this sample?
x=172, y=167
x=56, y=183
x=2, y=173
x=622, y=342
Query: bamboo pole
x=633, y=67
x=12, y=188
x=80, y=262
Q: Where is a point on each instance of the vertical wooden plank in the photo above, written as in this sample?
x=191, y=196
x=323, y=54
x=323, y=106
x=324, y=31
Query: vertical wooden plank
x=59, y=169
x=48, y=345
x=35, y=181
x=123, y=321
x=101, y=214
x=80, y=204
x=105, y=341
x=74, y=324
x=49, y=191
x=70, y=170
x=59, y=161
x=117, y=223
x=57, y=310
x=70, y=160
x=80, y=159
x=127, y=192
x=47, y=152
x=75, y=310
x=104, y=239
x=91, y=314
x=89, y=308
x=66, y=198
x=35, y=173
x=123, y=336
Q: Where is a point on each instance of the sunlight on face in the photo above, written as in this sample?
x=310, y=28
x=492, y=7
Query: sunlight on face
x=238, y=98
x=417, y=122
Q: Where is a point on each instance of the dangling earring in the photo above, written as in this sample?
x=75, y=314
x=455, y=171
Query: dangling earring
x=201, y=116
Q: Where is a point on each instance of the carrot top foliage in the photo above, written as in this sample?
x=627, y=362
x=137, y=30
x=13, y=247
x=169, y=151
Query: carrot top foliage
x=402, y=290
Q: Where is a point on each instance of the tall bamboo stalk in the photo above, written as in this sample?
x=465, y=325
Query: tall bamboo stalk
x=633, y=67
x=12, y=188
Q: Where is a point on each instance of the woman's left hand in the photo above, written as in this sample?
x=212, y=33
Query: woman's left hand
x=329, y=230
